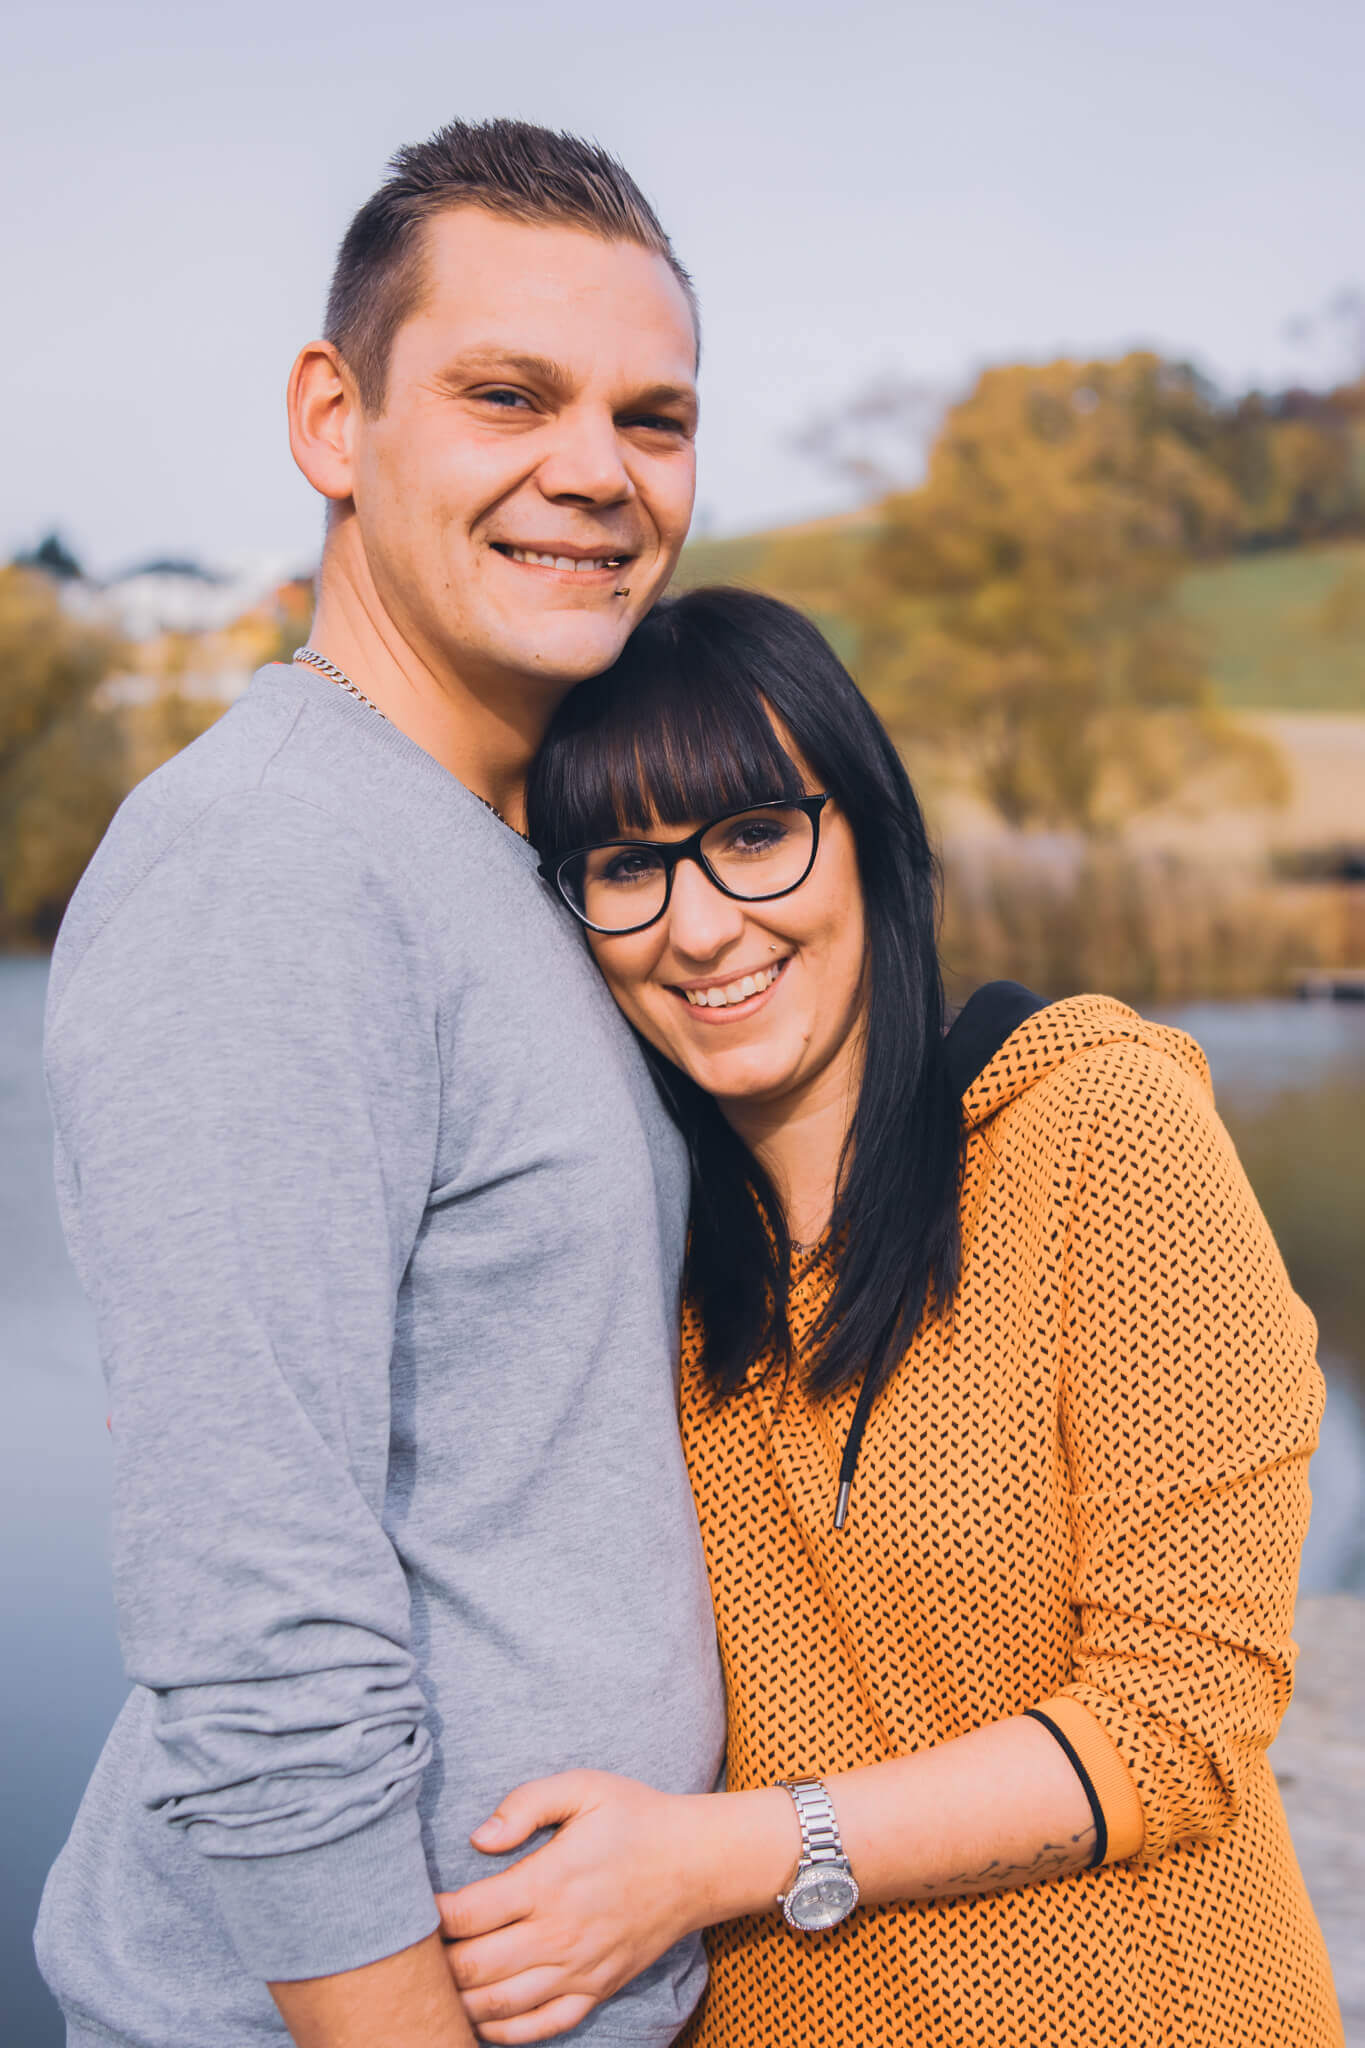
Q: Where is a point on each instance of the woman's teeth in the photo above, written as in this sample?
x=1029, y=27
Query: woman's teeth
x=563, y=561
x=734, y=991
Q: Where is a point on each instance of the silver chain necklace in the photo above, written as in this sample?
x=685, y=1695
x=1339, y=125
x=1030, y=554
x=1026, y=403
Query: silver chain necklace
x=313, y=659
x=337, y=675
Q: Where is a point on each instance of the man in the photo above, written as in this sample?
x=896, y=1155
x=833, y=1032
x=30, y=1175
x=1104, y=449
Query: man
x=381, y=1218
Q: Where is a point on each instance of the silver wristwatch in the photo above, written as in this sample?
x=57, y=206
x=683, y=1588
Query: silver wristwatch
x=824, y=1890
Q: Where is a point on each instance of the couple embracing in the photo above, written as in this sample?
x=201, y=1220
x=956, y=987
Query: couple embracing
x=535, y=967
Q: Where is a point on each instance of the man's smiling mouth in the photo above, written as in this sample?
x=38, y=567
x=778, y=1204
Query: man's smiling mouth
x=576, y=565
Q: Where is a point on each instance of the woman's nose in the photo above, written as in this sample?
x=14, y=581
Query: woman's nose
x=702, y=920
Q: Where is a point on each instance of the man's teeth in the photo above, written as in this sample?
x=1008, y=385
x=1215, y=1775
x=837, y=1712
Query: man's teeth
x=564, y=561
x=734, y=991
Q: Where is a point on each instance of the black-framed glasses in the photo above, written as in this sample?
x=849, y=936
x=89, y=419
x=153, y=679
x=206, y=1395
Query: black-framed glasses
x=624, y=885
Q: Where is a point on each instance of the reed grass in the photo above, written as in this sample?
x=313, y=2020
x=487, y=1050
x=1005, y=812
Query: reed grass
x=1143, y=924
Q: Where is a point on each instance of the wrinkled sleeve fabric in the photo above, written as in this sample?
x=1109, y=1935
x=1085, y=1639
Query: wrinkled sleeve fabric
x=245, y=1081
x=1190, y=1403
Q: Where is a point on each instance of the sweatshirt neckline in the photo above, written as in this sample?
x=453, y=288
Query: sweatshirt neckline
x=376, y=731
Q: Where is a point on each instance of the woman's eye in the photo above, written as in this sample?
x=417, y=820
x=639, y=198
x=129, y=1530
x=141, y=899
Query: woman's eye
x=625, y=868
x=756, y=836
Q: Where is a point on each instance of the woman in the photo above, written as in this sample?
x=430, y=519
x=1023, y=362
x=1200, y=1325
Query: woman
x=998, y=1408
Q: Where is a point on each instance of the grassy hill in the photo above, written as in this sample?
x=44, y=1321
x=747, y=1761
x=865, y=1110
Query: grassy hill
x=1285, y=631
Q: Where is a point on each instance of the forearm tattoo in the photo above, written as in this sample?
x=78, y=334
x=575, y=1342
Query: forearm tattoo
x=1054, y=1859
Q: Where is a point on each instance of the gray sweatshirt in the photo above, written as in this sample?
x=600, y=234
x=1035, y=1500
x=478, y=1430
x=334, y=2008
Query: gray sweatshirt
x=382, y=1222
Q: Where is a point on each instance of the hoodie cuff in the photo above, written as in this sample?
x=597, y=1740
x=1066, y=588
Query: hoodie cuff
x=1106, y=1778
x=314, y=1912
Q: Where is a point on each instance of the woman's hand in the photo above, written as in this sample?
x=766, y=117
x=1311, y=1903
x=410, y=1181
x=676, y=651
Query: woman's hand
x=628, y=1873
x=624, y=1877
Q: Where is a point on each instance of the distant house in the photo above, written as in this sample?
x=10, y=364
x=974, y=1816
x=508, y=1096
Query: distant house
x=192, y=631
x=184, y=597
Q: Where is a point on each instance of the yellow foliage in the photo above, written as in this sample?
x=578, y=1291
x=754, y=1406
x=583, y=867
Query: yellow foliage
x=49, y=663
x=62, y=767
x=1012, y=610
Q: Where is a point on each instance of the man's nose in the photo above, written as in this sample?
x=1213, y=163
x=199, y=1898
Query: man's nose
x=702, y=920
x=585, y=461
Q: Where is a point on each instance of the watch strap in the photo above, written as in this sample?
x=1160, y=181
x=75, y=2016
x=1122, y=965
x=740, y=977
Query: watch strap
x=821, y=1841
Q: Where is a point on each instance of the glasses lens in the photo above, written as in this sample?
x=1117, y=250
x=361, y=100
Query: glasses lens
x=615, y=887
x=760, y=853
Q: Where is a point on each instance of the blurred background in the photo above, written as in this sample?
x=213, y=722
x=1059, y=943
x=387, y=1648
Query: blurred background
x=1034, y=369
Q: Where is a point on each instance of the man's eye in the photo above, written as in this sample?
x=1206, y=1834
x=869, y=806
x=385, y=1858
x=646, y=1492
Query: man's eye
x=658, y=423
x=507, y=400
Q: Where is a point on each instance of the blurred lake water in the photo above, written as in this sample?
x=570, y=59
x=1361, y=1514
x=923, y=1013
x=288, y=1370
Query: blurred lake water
x=1290, y=1079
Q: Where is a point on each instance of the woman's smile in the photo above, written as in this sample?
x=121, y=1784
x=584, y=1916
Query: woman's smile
x=724, y=1002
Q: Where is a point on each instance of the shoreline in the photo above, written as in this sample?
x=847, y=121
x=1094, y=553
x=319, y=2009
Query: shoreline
x=1319, y=1764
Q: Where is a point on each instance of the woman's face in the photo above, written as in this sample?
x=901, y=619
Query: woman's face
x=796, y=1034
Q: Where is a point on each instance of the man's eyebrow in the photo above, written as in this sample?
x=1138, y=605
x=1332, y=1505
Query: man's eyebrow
x=491, y=361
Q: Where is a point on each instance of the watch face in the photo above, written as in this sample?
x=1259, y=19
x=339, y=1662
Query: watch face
x=823, y=1899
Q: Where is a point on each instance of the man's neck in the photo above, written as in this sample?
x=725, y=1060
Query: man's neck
x=485, y=739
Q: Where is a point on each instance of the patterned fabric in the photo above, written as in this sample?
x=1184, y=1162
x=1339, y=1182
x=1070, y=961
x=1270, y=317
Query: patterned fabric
x=1085, y=1491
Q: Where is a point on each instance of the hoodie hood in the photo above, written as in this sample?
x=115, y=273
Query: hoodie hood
x=1058, y=1032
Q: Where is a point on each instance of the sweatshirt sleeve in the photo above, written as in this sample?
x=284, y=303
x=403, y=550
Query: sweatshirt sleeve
x=1190, y=1405
x=245, y=1083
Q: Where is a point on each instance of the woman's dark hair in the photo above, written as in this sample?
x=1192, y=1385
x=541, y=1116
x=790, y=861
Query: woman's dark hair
x=680, y=730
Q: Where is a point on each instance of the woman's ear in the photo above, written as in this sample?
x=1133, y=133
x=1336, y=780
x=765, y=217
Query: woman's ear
x=323, y=404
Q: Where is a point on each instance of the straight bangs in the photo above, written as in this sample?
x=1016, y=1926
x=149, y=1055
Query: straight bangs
x=660, y=739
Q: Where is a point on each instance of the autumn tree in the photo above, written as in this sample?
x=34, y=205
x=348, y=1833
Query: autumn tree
x=1014, y=610
x=62, y=769
x=1295, y=462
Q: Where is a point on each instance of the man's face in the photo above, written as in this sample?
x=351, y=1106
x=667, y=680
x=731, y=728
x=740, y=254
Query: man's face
x=535, y=454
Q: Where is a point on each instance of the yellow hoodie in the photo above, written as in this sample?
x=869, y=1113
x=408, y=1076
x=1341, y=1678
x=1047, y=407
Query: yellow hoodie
x=1084, y=1493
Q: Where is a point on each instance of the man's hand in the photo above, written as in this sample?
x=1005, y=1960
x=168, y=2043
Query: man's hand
x=536, y=1947
x=404, y=2001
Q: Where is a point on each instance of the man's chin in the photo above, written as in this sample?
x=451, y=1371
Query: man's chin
x=567, y=650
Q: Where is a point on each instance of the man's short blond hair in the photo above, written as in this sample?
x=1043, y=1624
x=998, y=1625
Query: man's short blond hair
x=510, y=168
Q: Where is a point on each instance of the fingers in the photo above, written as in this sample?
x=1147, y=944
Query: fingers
x=511, y=1998
x=510, y=1952
x=544, y=1803
x=541, y=2025
x=484, y=1907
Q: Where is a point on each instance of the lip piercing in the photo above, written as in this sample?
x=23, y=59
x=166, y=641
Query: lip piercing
x=622, y=593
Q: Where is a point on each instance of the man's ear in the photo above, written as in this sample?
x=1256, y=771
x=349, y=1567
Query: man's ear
x=323, y=405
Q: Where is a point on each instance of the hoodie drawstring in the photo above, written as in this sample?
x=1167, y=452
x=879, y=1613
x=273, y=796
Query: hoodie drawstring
x=853, y=1443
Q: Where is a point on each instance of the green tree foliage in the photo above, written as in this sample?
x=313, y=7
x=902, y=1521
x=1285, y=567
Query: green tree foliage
x=1295, y=464
x=1013, y=610
x=62, y=766
x=54, y=558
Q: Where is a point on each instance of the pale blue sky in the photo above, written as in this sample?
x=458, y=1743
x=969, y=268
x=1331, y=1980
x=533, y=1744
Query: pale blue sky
x=857, y=188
